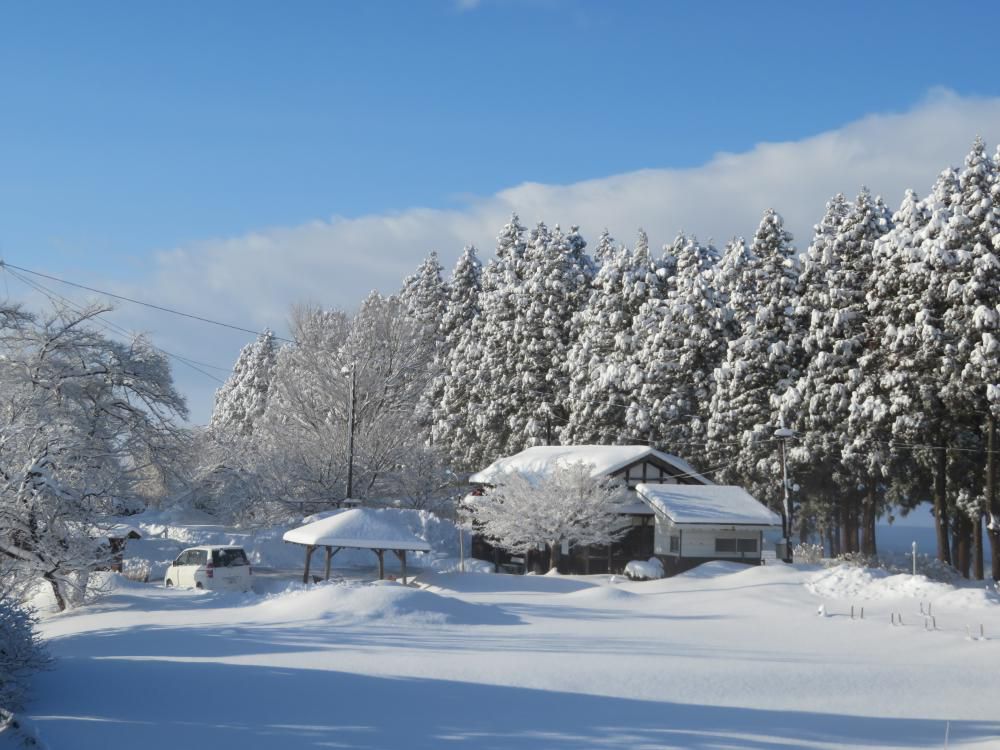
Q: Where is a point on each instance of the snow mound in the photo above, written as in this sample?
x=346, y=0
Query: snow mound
x=716, y=568
x=602, y=595
x=384, y=603
x=852, y=582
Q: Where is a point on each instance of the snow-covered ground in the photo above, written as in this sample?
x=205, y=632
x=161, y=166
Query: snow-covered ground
x=722, y=657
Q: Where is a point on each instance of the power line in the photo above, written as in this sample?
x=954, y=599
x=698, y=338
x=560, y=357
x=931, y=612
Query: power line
x=110, y=326
x=161, y=308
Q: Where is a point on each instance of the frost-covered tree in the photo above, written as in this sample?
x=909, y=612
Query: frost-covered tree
x=760, y=364
x=832, y=310
x=556, y=283
x=241, y=401
x=470, y=418
x=445, y=399
x=970, y=297
x=566, y=506
x=679, y=345
x=601, y=361
x=82, y=415
x=982, y=373
x=424, y=297
x=21, y=652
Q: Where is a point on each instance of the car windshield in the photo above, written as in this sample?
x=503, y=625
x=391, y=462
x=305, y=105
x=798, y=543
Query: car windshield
x=228, y=558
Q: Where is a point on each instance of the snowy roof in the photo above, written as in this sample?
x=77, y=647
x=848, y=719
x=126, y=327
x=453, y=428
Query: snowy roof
x=606, y=459
x=713, y=504
x=364, y=528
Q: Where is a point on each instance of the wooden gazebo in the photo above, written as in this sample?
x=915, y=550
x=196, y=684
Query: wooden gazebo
x=358, y=528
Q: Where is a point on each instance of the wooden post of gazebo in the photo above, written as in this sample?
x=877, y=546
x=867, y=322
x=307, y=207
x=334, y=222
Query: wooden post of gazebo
x=330, y=552
x=401, y=554
x=380, y=553
x=309, y=554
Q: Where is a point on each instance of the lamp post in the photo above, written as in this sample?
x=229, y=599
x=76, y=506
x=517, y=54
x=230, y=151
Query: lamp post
x=345, y=370
x=783, y=433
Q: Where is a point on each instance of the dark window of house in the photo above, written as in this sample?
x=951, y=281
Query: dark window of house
x=725, y=545
x=746, y=545
x=675, y=544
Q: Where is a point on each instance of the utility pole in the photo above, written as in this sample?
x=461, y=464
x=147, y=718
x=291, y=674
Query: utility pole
x=783, y=433
x=991, y=493
x=350, y=430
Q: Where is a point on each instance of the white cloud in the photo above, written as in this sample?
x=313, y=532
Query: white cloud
x=254, y=279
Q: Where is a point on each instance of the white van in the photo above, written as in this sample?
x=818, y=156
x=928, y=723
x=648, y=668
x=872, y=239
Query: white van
x=212, y=566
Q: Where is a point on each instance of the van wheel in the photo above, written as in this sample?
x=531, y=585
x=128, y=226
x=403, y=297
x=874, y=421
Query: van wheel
x=169, y=584
x=198, y=585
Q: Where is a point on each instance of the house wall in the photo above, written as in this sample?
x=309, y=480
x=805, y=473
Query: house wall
x=700, y=542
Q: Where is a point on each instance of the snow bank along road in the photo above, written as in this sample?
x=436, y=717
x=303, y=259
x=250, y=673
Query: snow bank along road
x=722, y=657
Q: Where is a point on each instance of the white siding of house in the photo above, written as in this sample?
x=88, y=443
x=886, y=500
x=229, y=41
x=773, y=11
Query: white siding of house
x=700, y=541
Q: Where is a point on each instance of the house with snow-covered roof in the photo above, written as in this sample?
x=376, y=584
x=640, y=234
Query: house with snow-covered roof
x=632, y=464
x=673, y=511
x=694, y=524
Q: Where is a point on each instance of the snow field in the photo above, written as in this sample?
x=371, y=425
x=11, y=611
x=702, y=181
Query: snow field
x=722, y=657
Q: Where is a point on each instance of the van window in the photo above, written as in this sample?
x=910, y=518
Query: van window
x=229, y=558
x=197, y=557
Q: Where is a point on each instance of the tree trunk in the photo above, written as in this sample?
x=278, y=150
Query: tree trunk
x=834, y=532
x=555, y=548
x=56, y=591
x=868, y=522
x=977, y=547
x=992, y=501
x=852, y=526
x=941, y=503
x=963, y=539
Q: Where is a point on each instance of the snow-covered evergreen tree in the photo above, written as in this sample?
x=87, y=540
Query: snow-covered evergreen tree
x=556, y=283
x=760, y=364
x=679, y=345
x=602, y=360
x=242, y=400
x=471, y=425
x=424, y=297
x=832, y=309
x=446, y=399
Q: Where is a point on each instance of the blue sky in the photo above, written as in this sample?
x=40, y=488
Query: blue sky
x=129, y=127
x=196, y=153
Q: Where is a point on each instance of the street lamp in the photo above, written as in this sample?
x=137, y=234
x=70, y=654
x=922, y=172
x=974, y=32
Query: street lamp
x=783, y=434
x=349, y=370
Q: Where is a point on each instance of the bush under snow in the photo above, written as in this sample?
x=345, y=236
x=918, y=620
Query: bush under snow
x=644, y=570
x=20, y=654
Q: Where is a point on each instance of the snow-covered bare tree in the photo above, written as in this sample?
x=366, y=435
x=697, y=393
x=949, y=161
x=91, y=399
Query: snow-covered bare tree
x=82, y=416
x=566, y=506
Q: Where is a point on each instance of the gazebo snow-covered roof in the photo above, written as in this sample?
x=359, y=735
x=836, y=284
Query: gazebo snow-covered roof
x=358, y=528
x=606, y=460
x=707, y=505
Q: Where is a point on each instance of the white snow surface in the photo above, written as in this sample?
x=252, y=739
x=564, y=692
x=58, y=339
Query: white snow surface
x=365, y=528
x=606, y=459
x=725, y=656
x=707, y=504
